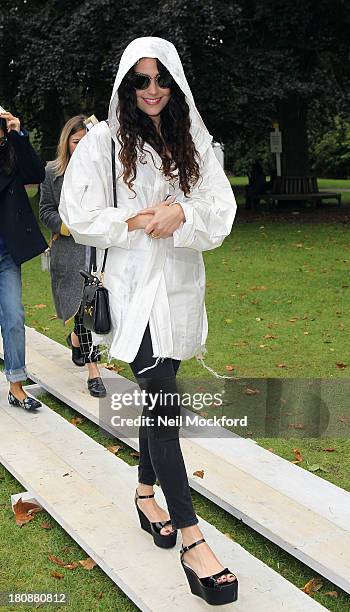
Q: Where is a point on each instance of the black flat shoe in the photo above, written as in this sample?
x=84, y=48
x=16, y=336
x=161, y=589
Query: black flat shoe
x=77, y=356
x=96, y=387
x=163, y=541
x=29, y=403
x=208, y=588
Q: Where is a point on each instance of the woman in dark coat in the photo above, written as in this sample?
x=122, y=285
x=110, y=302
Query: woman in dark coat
x=68, y=257
x=20, y=240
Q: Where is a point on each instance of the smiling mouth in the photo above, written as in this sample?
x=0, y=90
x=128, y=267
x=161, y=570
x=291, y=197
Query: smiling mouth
x=152, y=102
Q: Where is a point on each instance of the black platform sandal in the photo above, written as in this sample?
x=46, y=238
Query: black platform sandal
x=163, y=541
x=208, y=588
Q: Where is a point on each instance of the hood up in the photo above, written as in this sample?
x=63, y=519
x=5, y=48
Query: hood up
x=151, y=46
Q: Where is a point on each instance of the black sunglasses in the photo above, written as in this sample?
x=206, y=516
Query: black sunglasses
x=143, y=81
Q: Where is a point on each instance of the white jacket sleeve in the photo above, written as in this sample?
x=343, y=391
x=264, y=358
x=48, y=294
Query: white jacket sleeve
x=86, y=203
x=210, y=210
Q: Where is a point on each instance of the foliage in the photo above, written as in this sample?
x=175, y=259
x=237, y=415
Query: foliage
x=331, y=151
x=243, y=58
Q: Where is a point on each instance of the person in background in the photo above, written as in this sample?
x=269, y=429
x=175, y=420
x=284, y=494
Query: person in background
x=257, y=185
x=20, y=240
x=68, y=257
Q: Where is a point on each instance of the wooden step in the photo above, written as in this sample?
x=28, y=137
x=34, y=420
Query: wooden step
x=94, y=504
x=299, y=511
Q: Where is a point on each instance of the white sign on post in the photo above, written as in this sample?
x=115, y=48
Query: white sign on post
x=276, y=141
x=276, y=147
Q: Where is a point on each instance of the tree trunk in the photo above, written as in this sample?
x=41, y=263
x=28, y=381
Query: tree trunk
x=51, y=123
x=292, y=114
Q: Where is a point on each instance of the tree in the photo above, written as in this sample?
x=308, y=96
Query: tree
x=249, y=62
x=258, y=61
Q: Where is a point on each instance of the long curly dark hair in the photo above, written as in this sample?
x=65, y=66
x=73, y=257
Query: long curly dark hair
x=136, y=128
x=7, y=152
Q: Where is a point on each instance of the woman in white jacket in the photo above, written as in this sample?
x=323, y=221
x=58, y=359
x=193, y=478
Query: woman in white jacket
x=173, y=202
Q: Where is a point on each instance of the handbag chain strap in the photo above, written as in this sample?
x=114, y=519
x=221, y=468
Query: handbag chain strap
x=93, y=262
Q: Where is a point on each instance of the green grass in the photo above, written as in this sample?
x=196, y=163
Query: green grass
x=262, y=278
x=285, y=280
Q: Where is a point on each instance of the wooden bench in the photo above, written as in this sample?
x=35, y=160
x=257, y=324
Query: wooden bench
x=303, y=188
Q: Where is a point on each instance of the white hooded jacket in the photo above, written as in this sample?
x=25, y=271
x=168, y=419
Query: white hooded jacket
x=157, y=281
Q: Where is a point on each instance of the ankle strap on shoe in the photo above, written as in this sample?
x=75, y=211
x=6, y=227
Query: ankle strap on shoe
x=143, y=496
x=185, y=548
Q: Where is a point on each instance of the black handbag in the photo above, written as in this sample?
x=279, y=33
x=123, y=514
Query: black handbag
x=94, y=309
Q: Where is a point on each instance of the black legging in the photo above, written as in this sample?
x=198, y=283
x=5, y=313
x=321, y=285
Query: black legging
x=160, y=451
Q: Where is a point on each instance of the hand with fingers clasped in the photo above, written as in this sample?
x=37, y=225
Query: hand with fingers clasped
x=166, y=217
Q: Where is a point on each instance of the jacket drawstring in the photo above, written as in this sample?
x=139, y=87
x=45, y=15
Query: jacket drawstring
x=201, y=361
x=200, y=357
x=153, y=366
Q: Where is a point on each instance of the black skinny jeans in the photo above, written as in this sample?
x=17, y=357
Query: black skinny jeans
x=160, y=451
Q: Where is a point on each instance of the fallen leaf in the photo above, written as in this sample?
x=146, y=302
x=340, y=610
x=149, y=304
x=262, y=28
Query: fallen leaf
x=343, y=419
x=315, y=584
x=53, y=317
x=298, y=455
x=296, y=425
x=329, y=450
x=341, y=365
x=40, y=306
x=228, y=535
x=113, y=367
x=66, y=474
x=57, y=575
x=56, y=560
x=113, y=449
x=199, y=473
x=281, y=365
x=270, y=337
x=46, y=526
x=316, y=467
x=77, y=421
x=134, y=454
x=332, y=593
x=229, y=368
x=248, y=391
x=228, y=320
x=88, y=563
x=25, y=511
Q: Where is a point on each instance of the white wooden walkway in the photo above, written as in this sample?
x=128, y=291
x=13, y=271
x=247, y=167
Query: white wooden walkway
x=301, y=512
x=94, y=504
